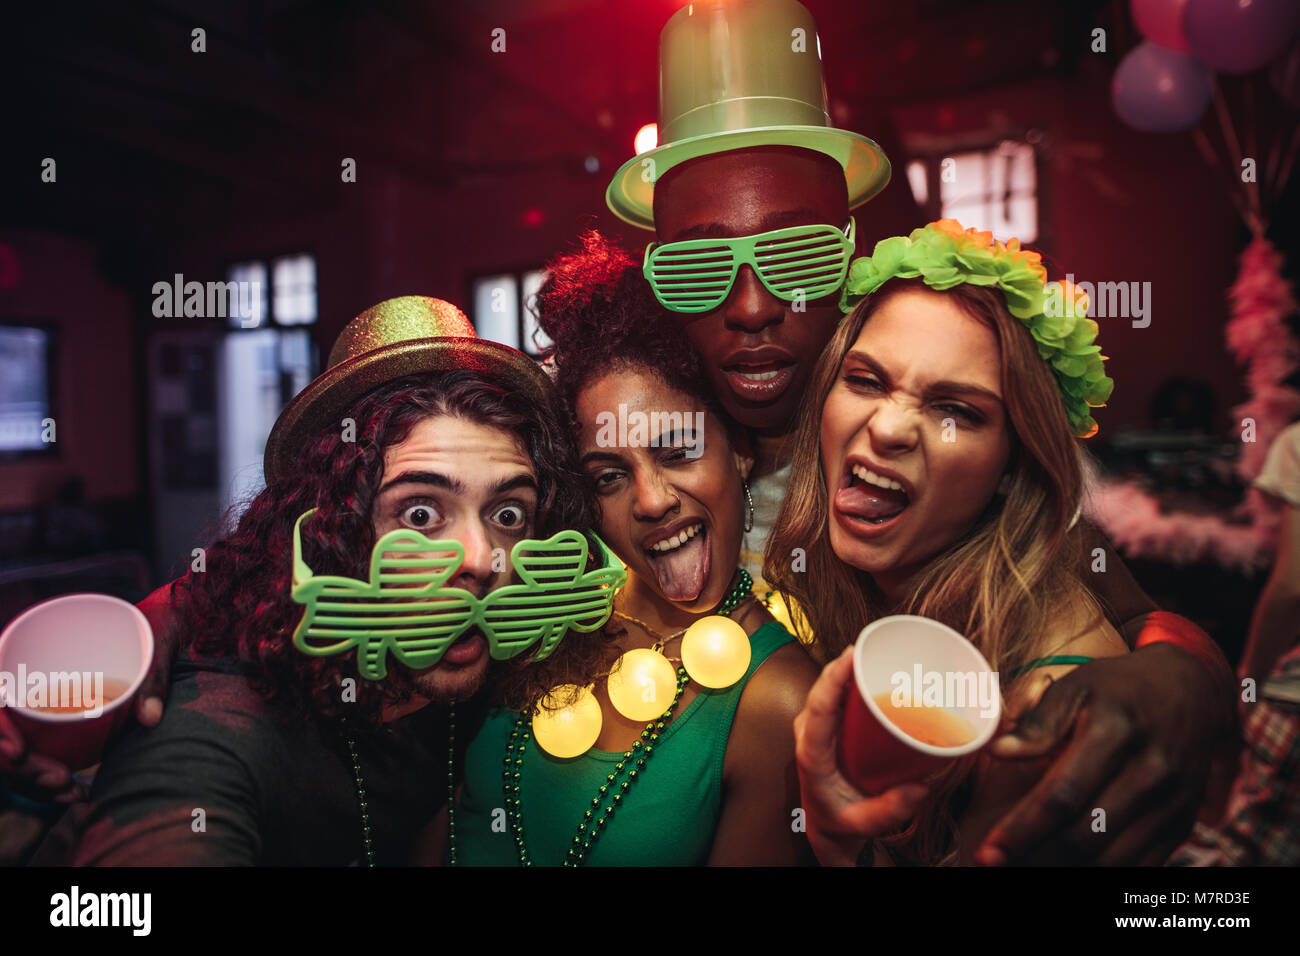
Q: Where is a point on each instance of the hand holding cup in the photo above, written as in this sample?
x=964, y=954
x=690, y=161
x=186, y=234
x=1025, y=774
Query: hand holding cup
x=69, y=670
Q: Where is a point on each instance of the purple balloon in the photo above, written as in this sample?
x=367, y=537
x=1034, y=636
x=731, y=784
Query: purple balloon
x=1160, y=91
x=1161, y=21
x=1237, y=36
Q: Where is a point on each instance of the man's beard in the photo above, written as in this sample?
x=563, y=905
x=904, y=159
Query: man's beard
x=453, y=684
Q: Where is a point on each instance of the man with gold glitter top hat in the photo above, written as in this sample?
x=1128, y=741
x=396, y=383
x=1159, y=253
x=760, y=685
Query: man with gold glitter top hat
x=420, y=447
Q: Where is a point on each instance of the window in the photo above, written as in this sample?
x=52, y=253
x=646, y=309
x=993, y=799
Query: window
x=248, y=308
x=504, y=312
x=994, y=189
x=290, y=293
x=260, y=371
x=25, y=390
x=293, y=287
x=266, y=359
x=496, y=309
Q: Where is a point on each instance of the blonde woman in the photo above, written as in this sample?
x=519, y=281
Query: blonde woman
x=936, y=472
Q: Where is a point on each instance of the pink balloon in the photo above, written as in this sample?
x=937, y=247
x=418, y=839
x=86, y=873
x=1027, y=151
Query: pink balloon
x=1161, y=21
x=1238, y=36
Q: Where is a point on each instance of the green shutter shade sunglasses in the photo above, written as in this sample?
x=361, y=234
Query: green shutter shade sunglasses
x=696, y=275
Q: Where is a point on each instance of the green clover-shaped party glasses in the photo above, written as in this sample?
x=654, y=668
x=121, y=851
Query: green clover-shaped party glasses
x=406, y=608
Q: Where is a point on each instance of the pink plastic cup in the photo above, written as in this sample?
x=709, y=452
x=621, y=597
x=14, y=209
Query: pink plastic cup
x=86, y=634
x=874, y=753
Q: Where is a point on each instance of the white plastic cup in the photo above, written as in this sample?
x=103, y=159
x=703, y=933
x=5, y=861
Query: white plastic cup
x=87, y=634
x=874, y=752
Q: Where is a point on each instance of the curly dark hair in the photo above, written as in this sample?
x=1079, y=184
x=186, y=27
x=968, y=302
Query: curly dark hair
x=241, y=606
x=602, y=316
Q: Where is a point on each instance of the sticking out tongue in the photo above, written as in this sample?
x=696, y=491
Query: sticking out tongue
x=867, y=501
x=681, y=573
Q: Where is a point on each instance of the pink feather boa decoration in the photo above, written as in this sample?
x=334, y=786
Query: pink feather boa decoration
x=1134, y=521
x=1258, y=337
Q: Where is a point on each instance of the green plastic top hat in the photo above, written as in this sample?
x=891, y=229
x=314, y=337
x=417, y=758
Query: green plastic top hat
x=735, y=74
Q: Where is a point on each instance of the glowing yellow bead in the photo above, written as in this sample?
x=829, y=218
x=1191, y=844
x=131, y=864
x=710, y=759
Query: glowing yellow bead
x=571, y=730
x=715, y=651
x=643, y=684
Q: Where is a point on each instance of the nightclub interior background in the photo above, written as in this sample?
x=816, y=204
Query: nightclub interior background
x=473, y=167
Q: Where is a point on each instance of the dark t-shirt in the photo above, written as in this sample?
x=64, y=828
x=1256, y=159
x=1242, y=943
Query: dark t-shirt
x=275, y=787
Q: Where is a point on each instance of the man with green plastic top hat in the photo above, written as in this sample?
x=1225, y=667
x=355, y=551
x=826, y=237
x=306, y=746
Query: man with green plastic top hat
x=747, y=150
x=311, y=709
x=753, y=194
x=747, y=147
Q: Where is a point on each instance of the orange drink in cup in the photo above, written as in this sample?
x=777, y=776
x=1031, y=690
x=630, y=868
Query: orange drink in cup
x=922, y=695
x=69, y=669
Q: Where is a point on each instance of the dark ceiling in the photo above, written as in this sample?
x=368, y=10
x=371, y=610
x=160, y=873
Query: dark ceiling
x=286, y=84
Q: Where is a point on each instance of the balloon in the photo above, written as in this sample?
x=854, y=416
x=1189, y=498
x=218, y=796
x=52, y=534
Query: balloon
x=715, y=651
x=1160, y=91
x=1284, y=75
x=1161, y=22
x=1237, y=36
x=642, y=685
x=572, y=729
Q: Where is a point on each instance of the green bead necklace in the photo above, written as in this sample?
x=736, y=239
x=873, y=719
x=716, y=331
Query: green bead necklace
x=367, y=837
x=588, y=831
x=616, y=786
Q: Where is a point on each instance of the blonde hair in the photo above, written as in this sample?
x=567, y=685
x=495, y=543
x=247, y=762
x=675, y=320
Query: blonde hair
x=1001, y=583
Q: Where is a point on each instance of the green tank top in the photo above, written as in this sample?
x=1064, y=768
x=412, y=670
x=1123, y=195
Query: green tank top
x=668, y=818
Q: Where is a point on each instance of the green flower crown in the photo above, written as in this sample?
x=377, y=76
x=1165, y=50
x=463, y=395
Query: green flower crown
x=943, y=254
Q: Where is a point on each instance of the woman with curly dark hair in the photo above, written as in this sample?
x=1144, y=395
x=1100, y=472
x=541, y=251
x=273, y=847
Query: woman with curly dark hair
x=710, y=779
x=266, y=754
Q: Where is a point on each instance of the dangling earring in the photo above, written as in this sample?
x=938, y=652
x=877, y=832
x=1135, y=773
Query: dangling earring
x=749, y=525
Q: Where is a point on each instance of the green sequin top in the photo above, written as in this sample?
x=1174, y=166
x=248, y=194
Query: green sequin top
x=668, y=818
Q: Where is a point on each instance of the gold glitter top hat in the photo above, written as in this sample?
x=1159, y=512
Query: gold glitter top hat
x=397, y=337
x=735, y=74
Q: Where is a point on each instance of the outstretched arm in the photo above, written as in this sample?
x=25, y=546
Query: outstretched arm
x=159, y=800
x=840, y=818
x=160, y=610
